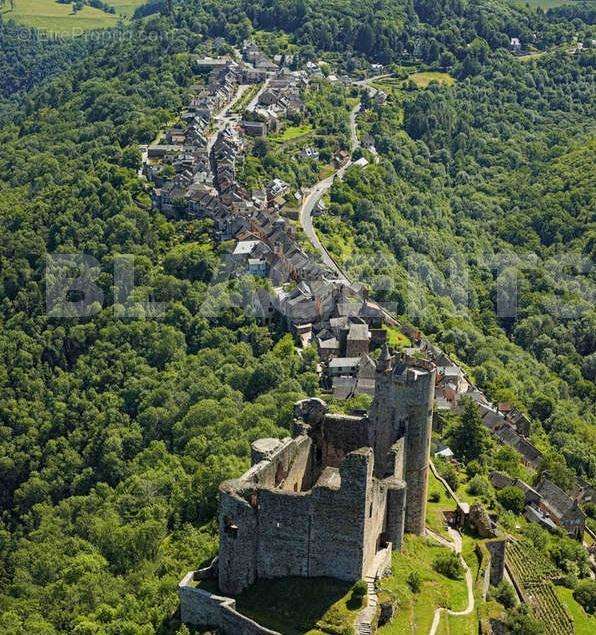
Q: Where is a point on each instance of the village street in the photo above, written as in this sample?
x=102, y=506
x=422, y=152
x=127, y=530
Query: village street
x=225, y=118
x=308, y=206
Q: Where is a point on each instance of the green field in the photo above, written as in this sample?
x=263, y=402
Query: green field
x=434, y=511
x=49, y=15
x=292, y=133
x=423, y=79
x=583, y=623
x=125, y=8
x=415, y=612
x=395, y=338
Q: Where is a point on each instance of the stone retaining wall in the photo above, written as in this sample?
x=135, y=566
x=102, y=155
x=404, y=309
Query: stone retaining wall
x=201, y=608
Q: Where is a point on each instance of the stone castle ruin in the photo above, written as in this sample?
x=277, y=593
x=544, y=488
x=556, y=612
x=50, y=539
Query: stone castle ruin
x=344, y=487
x=332, y=500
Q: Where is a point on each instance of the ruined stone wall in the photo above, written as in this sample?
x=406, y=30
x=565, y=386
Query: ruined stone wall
x=201, y=608
x=301, y=472
x=384, y=427
x=374, y=525
x=238, y=540
x=284, y=534
x=497, y=549
x=397, y=457
x=288, y=467
x=402, y=407
x=338, y=521
x=331, y=530
x=339, y=435
x=418, y=396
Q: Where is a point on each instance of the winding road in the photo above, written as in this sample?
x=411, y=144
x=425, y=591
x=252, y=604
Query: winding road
x=308, y=206
x=318, y=191
x=316, y=194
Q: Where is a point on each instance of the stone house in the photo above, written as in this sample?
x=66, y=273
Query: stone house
x=564, y=510
x=357, y=340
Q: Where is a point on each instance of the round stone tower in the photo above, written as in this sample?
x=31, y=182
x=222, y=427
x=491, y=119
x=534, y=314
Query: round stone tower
x=402, y=409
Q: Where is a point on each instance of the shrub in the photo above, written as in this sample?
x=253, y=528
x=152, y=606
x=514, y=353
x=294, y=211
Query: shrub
x=569, y=580
x=521, y=622
x=585, y=594
x=479, y=486
x=359, y=590
x=590, y=509
x=504, y=594
x=570, y=556
x=449, y=565
x=434, y=497
x=448, y=472
x=474, y=468
x=513, y=499
x=414, y=581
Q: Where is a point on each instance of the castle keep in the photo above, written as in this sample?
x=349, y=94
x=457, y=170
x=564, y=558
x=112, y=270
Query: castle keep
x=325, y=501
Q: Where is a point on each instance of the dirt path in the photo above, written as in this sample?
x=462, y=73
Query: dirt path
x=455, y=545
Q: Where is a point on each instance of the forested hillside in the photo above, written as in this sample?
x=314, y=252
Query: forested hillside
x=488, y=179
x=114, y=433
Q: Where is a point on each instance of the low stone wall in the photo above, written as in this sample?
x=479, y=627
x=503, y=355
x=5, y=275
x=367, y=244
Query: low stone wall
x=201, y=608
x=497, y=560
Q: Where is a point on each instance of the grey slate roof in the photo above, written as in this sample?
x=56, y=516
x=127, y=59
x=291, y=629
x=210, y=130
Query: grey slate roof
x=557, y=501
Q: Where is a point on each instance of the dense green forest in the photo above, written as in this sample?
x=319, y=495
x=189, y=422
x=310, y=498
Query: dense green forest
x=115, y=432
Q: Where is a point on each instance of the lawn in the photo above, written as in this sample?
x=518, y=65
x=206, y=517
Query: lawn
x=423, y=79
x=326, y=171
x=390, y=85
x=415, y=611
x=125, y=8
x=292, y=133
x=49, y=15
x=453, y=625
x=530, y=56
x=584, y=624
x=434, y=511
x=395, y=338
x=300, y=606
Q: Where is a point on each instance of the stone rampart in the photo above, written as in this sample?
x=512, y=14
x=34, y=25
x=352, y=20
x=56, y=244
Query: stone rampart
x=201, y=608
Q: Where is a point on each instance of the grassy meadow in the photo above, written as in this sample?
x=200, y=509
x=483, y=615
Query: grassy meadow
x=423, y=79
x=298, y=606
x=416, y=611
x=54, y=17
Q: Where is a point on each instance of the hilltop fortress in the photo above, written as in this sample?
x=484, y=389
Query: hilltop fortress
x=328, y=500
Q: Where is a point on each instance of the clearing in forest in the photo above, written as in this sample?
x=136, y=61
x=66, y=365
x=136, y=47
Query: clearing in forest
x=55, y=17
